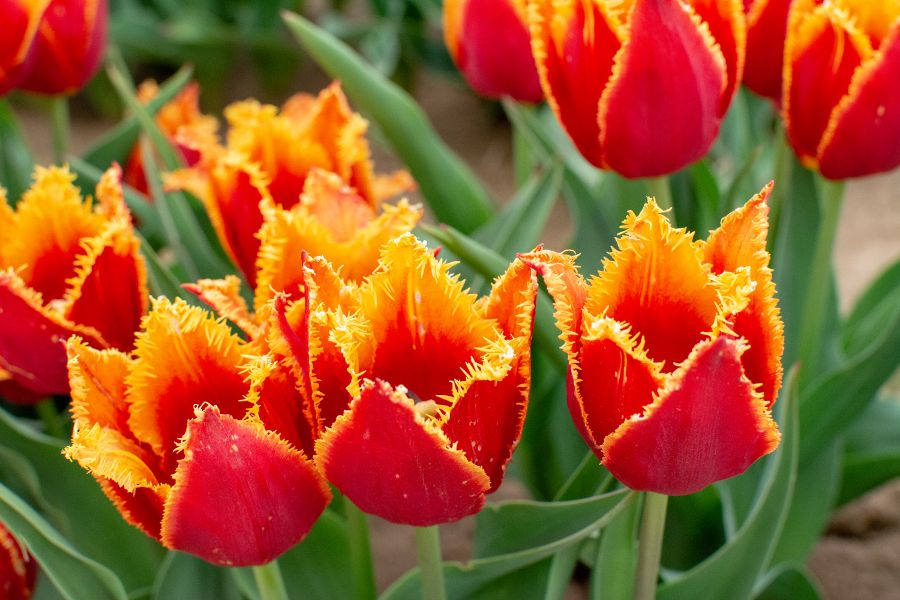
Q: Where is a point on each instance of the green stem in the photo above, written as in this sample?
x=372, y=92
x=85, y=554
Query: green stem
x=59, y=117
x=784, y=163
x=653, y=524
x=269, y=581
x=428, y=542
x=360, y=551
x=660, y=189
x=815, y=306
x=48, y=414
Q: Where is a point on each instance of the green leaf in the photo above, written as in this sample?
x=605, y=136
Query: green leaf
x=872, y=450
x=612, y=577
x=531, y=532
x=732, y=572
x=186, y=576
x=788, y=582
x=75, y=576
x=451, y=190
x=117, y=144
x=16, y=163
x=874, y=308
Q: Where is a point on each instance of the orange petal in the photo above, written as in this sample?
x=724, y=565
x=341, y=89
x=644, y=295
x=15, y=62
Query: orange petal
x=242, y=495
x=391, y=462
x=224, y=297
x=740, y=241
x=183, y=358
x=655, y=281
x=706, y=425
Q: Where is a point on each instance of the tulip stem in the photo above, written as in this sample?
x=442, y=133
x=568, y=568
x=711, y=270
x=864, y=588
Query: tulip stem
x=360, y=551
x=831, y=198
x=269, y=581
x=46, y=411
x=659, y=188
x=59, y=118
x=653, y=524
x=428, y=542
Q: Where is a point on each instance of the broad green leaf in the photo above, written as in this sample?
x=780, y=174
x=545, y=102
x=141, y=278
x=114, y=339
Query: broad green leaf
x=451, y=190
x=694, y=529
x=74, y=575
x=117, y=144
x=874, y=308
x=16, y=163
x=612, y=576
x=186, y=576
x=534, y=530
x=72, y=493
x=872, y=450
x=732, y=572
x=788, y=582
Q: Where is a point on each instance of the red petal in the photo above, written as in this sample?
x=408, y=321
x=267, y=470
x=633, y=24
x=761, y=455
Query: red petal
x=392, y=463
x=142, y=508
x=18, y=569
x=662, y=108
x=864, y=137
x=242, y=496
x=727, y=25
x=20, y=24
x=17, y=394
x=766, y=29
x=706, y=425
x=282, y=408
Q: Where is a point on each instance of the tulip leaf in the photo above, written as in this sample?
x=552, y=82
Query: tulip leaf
x=186, y=576
x=790, y=581
x=868, y=317
x=117, y=144
x=514, y=535
x=92, y=524
x=16, y=163
x=872, y=451
x=612, y=577
x=451, y=190
x=733, y=570
x=75, y=576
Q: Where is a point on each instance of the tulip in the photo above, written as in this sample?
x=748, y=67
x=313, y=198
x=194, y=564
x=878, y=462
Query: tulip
x=420, y=389
x=193, y=439
x=20, y=22
x=640, y=87
x=674, y=349
x=18, y=569
x=65, y=268
x=269, y=156
x=766, y=30
x=489, y=42
x=841, y=97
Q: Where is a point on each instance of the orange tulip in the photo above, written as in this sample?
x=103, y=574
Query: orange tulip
x=19, y=22
x=640, y=86
x=489, y=42
x=65, y=268
x=841, y=96
x=195, y=438
x=766, y=30
x=674, y=349
x=18, y=569
x=269, y=157
x=419, y=389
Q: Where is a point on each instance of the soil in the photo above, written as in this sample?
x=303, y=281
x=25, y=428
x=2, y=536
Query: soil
x=858, y=556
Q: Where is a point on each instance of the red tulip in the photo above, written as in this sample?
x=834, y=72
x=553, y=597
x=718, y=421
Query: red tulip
x=766, y=30
x=19, y=22
x=18, y=569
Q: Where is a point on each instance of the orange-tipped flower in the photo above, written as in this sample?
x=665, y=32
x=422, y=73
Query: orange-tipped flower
x=489, y=42
x=640, y=86
x=18, y=569
x=841, y=96
x=270, y=156
x=419, y=388
x=193, y=439
x=674, y=349
x=65, y=268
x=766, y=30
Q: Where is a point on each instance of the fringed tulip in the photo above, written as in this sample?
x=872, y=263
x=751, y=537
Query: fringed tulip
x=841, y=95
x=490, y=44
x=19, y=23
x=419, y=388
x=674, y=349
x=18, y=569
x=65, y=268
x=766, y=30
x=194, y=439
x=269, y=157
x=641, y=87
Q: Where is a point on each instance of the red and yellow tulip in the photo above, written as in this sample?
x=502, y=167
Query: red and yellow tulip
x=269, y=158
x=66, y=267
x=674, y=349
x=641, y=86
x=841, y=94
x=18, y=569
x=766, y=30
x=419, y=389
x=195, y=438
x=490, y=44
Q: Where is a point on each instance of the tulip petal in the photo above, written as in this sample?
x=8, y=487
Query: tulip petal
x=740, y=241
x=142, y=508
x=861, y=138
x=242, y=496
x=663, y=105
x=21, y=22
x=32, y=338
x=656, y=282
x=391, y=462
x=727, y=26
x=18, y=570
x=224, y=297
x=767, y=22
x=14, y=393
x=706, y=425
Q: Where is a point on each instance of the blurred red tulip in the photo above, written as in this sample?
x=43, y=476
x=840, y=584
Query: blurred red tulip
x=19, y=22
x=18, y=569
x=766, y=30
